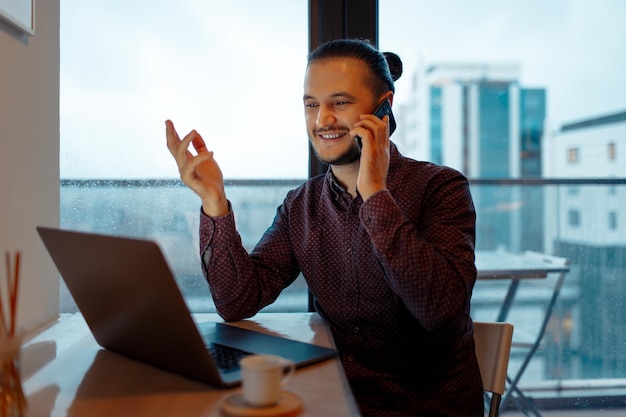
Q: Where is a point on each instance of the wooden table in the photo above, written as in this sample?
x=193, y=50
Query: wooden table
x=66, y=373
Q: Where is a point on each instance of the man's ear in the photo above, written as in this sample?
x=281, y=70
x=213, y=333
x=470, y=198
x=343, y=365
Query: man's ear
x=389, y=96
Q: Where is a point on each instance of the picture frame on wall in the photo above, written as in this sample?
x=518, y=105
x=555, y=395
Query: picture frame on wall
x=20, y=14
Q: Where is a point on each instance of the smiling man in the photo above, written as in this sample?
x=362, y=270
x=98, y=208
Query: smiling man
x=385, y=243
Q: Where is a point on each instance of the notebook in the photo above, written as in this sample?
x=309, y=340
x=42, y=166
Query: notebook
x=133, y=306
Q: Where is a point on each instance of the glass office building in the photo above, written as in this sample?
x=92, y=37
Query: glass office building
x=483, y=123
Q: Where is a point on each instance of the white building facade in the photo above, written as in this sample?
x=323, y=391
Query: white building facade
x=586, y=222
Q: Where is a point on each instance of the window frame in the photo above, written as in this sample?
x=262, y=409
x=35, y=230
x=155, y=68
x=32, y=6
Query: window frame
x=332, y=19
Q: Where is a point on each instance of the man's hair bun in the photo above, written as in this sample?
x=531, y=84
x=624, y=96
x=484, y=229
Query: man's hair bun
x=395, y=64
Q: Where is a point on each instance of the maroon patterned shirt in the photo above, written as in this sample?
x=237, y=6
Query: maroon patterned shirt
x=393, y=277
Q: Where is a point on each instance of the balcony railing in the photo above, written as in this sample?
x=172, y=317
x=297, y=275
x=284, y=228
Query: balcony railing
x=584, y=350
x=583, y=353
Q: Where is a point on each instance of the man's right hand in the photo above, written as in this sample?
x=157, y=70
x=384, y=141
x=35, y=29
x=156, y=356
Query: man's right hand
x=199, y=172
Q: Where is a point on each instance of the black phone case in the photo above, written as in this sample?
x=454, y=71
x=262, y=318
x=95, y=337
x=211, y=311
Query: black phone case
x=383, y=109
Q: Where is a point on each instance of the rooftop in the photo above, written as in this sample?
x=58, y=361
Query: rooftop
x=595, y=121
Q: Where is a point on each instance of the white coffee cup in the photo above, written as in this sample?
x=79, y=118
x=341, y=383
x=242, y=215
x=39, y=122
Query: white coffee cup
x=264, y=377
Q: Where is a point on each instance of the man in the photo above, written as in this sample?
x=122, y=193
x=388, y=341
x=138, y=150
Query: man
x=385, y=243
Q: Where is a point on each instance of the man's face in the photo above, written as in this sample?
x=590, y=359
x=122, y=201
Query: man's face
x=335, y=95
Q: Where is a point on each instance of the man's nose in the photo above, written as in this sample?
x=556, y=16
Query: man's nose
x=325, y=116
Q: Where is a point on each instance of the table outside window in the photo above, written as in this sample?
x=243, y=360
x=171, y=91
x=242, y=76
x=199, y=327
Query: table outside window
x=504, y=265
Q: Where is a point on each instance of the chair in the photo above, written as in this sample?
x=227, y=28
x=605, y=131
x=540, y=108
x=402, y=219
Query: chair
x=554, y=282
x=493, y=345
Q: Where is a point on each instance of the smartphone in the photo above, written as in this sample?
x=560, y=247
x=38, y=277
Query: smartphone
x=383, y=109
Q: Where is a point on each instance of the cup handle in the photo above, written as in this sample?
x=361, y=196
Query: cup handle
x=290, y=367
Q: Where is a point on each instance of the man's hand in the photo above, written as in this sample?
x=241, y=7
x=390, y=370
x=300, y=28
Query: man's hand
x=374, y=164
x=199, y=172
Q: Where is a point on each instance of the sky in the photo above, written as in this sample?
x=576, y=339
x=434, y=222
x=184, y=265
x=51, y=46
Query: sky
x=576, y=49
x=234, y=72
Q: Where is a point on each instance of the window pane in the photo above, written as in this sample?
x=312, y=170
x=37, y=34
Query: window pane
x=612, y=152
x=517, y=91
x=219, y=67
x=612, y=220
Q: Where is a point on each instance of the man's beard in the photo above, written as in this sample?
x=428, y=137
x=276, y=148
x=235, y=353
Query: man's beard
x=350, y=156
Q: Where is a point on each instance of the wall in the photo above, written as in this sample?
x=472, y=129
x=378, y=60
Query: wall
x=29, y=157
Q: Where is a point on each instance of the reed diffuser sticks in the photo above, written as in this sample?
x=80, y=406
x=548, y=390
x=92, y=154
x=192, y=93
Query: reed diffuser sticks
x=7, y=329
x=12, y=399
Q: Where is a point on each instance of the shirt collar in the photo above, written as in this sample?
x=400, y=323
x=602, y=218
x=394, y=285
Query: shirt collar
x=333, y=184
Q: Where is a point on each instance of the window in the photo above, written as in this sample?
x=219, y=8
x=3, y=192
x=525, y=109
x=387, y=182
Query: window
x=573, y=217
x=501, y=94
x=219, y=67
x=612, y=151
x=612, y=220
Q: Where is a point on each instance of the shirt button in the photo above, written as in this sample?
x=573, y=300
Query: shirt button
x=356, y=329
x=389, y=255
x=368, y=220
x=350, y=358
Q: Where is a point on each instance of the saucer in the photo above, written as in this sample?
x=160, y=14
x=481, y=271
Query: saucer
x=288, y=405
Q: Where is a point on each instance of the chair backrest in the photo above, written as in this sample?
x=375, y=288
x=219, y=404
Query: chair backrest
x=493, y=347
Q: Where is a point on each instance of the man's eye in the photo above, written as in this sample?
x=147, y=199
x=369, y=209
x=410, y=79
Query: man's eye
x=341, y=103
x=310, y=105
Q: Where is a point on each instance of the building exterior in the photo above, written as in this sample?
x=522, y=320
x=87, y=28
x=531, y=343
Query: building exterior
x=476, y=117
x=590, y=229
x=590, y=148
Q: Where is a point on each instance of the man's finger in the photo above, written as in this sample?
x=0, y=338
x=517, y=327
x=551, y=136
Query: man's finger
x=198, y=144
x=183, y=147
x=172, y=136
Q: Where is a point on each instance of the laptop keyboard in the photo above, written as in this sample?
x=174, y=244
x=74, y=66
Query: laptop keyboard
x=227, y=358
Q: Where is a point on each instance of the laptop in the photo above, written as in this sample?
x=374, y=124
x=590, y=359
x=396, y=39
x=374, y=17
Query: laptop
x=132, y=304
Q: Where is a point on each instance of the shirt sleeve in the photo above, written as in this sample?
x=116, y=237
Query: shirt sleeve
x=241, y=283
x=427, y=252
